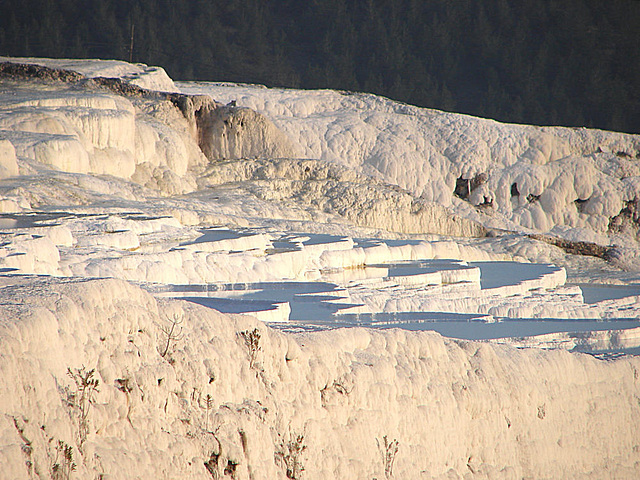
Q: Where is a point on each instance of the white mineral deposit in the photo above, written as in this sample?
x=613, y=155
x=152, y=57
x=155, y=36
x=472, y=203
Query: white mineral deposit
x=213, y=280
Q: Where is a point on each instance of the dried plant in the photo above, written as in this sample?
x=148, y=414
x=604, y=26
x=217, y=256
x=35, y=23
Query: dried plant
x=82, y=398
x=63, y=463
x=389, y=450
x=341, y=386
x=289, y=455
x=252, y=341
x=173, y=333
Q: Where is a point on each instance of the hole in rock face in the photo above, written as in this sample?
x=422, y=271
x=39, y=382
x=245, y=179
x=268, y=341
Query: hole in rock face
x=462, y=189
x=464, y=186
x=514, y=190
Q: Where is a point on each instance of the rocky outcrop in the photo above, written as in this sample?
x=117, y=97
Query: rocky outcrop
x=22, y=71
x=628, y=220
x=575, y=247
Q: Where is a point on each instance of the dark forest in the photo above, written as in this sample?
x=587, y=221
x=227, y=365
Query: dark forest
x=544, y=62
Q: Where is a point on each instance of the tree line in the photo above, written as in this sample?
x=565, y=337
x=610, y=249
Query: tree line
x=544, y=62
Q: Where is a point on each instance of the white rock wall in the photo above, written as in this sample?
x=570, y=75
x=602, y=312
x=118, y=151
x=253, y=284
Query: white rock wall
x=456, y=409
x=78, y=133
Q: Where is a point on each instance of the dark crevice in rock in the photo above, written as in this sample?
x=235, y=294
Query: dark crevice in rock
x=580, y=204
x=465, y=186
x=478, y=180
x=462, y=189
x=487, y=202
x=212, y=464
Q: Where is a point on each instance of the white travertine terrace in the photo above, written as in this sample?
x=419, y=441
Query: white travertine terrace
x=147, y=246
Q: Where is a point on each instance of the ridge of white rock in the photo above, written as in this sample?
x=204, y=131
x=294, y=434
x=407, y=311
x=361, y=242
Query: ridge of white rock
x=327, y=187
x=139, y=74
x=567, y=181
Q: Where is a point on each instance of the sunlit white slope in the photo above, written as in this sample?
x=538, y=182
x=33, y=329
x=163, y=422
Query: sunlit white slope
x=456, y=409
x=565, y=180
x=184, y=393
